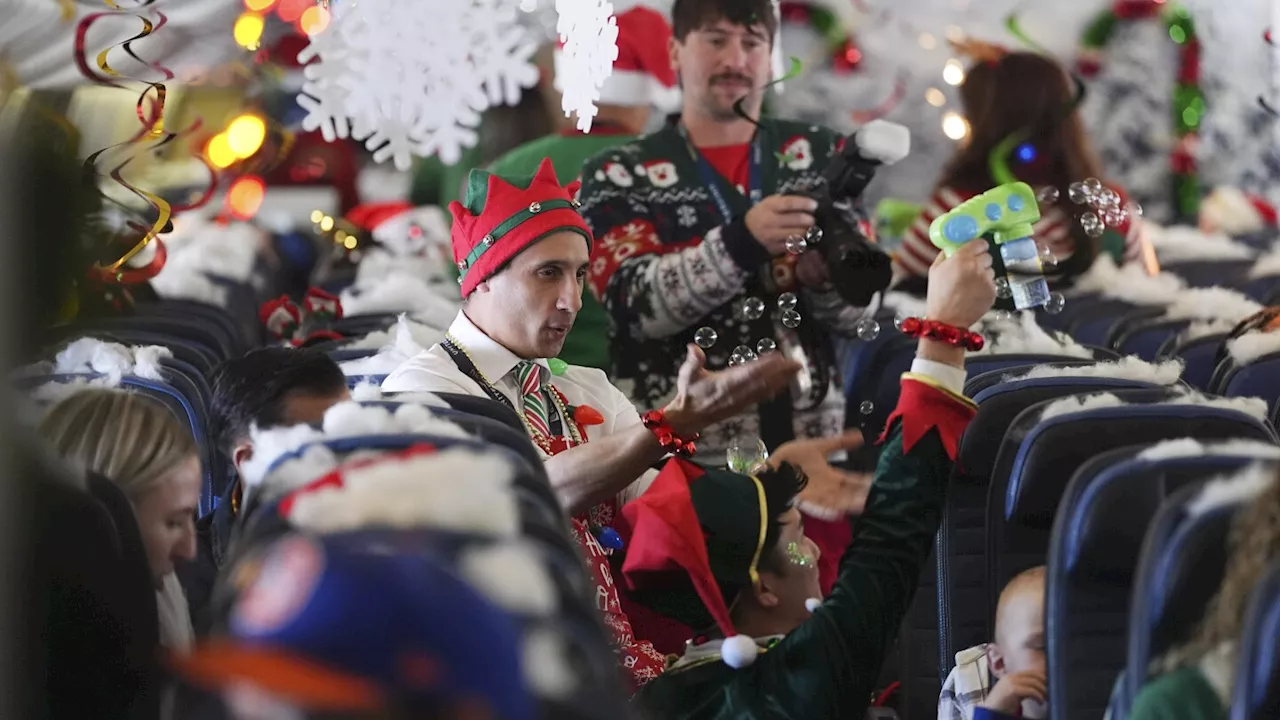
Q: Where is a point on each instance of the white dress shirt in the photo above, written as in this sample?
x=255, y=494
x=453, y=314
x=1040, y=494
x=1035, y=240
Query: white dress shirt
x=434, y=371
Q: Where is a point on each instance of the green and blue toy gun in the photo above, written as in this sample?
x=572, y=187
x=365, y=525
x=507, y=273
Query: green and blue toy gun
x=1008, y=212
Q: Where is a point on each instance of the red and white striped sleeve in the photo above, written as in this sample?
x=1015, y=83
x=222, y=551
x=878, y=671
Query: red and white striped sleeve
x=917, y=252
x=1053, y=231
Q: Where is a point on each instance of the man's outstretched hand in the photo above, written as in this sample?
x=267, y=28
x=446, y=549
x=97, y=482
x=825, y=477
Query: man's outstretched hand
x=704, y=397
x=831, y=493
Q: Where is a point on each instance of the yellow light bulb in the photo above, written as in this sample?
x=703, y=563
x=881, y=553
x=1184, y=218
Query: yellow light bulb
x=259, y=5
x=316, y=216
x=326, y=224
x=953, y=72
x=935, y=97
x=955, y=126
x=350, y=242
x=248, y=30
x=219, y=152
x=245, y=135
x=314, y=20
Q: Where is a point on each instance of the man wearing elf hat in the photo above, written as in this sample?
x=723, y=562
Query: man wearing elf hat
x=642, y=79
x=727, y=552
x=694, y=227
x=522, y=251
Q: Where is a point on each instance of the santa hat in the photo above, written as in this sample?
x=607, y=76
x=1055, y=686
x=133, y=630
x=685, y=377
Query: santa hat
x=1234, y=212
x=499, y=217
x=642, y=74
x=694, y=540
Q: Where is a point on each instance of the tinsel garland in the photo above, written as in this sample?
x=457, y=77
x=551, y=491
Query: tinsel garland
x=1188, y=97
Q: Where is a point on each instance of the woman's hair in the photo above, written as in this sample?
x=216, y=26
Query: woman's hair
x=1253, y=545
x=1032, y=93
x=130, y=439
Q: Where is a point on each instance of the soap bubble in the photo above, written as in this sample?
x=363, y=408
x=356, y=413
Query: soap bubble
x=1134, y=209
x=1077, y=193
x=766, y=346
x=741, y=354
x=1093, y=226
x=797, y=245
x=897, y=320
x=814, y=235
x=1093, y=186
x=1055, y=303
x=752, y=308
x=868, y=329
x=1108, y=198
x=746, y=456
x=1048, y=195
x=787, y=301
x=705, y=337
x=1004, y=315
x=1047, y=258
x=867, y=407
x=1114, y=217
x=1003, y=290
x=791, y=319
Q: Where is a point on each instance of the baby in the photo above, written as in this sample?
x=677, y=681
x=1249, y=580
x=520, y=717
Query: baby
x=1005, y=678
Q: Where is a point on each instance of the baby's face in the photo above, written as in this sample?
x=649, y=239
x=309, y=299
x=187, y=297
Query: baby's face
x=1020, y=631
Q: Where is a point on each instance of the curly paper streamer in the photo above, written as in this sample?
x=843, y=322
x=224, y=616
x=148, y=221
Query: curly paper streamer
x=886, y=106
x=1013, y=23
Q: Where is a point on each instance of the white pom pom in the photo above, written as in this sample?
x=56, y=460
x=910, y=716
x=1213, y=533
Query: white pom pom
x=739, y=651
x=812, y=604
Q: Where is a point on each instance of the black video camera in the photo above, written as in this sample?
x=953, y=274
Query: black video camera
x=858, y=267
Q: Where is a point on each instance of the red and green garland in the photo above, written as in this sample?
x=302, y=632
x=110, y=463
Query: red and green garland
x=1188, y=98
x=845, y=55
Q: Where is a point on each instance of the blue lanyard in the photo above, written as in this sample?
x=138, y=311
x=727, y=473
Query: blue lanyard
x=711, y=179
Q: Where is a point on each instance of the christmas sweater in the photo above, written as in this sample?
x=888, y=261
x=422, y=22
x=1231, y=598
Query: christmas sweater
x=668, y=266
x=588, y=342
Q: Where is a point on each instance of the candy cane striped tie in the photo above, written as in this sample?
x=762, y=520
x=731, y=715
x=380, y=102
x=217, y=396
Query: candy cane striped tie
x=534, y=401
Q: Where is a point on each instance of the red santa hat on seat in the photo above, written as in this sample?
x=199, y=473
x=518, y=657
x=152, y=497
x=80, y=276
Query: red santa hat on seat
x=642, y=74
x=1234, y=212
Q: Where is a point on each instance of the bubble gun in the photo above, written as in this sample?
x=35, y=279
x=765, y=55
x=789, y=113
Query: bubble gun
x=1009, y=212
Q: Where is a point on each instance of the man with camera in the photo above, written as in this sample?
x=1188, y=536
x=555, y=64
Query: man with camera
x=700, y=232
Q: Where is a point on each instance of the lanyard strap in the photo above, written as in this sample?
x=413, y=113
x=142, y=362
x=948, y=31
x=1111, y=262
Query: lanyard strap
x=469, y=369
x=711, y=179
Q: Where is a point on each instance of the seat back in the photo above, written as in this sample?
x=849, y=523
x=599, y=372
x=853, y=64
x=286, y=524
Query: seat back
x=1199, y=357
x=1145, y=338
x=961, y=547
x=1260, y=378
x=1093, y=554
x=1026, y=489
x=1184, y=556
x=1257, y=690
x=979, y=365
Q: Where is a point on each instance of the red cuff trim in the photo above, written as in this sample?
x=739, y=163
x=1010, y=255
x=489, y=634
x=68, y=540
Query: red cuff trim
x=923, y=407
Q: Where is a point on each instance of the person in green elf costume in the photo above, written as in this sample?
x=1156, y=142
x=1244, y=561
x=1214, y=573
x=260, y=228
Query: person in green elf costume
x=642, y=79
x=728, y=552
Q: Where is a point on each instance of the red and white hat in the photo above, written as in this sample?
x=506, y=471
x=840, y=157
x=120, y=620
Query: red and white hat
x=1234, y=212
x=642, y=74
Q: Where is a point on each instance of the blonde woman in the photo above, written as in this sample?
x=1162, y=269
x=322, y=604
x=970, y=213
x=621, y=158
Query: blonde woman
x=139, y=445
x=1199, y=675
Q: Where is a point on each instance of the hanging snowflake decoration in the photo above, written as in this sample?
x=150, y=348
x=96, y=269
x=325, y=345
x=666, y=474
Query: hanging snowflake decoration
x=589, y=33
x=408, y=77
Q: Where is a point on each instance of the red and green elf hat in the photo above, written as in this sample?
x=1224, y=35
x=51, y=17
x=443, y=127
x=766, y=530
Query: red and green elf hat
x=501, y=217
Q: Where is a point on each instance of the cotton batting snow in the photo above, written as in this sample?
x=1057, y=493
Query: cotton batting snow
x=455, y=490
x=1236, y=489
x=1253, y=407
x=1215, y=303
x=513, y=575
x=1190, y=447
x=1186, y=244
x=1204, y=328
x=546, y=666
x=1267, y=265
x=89, y=355
x=1252, y=346
x=905, y=305
x=1129, y=283
x=1020, y=333
x=400, y=293
x=1126, y=368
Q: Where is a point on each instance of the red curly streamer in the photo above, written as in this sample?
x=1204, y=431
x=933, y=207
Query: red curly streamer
x=886, y=106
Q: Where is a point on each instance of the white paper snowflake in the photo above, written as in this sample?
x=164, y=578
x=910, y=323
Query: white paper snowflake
x=412, y=78
x=589, y=32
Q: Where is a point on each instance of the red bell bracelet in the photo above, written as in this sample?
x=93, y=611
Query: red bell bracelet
x=656, y=422
x=942, y=332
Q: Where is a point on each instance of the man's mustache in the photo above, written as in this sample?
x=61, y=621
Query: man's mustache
x=731, y=77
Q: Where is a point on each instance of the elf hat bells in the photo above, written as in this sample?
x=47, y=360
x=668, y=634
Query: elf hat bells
x=500, y=217
x=694, y=542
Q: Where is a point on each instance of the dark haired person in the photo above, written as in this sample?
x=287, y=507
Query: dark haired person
x=728, y=553
x=692, y=225
x=267, y=387
x=1003, y=93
